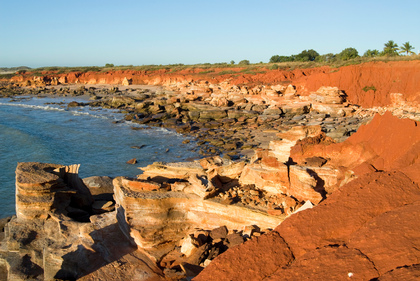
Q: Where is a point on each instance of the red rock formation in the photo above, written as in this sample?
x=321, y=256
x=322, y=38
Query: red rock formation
x=349, y=233
x=366, y=229
x=386, y=143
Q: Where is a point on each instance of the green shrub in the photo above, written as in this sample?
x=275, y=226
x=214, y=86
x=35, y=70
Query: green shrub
x=244, y=62
x=348, y=53
x=274, y=67
x=307, y=55
x=226, y=72
x=277, y=58
x=368, y=88
x=371, y=53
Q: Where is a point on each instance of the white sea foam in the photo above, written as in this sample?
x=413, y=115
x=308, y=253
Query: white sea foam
x=42, y=107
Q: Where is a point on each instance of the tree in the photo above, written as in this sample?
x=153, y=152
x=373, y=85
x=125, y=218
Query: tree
x=307, y=55
x=348, y=53
x=277, y=58
x=244, y=62
x=232, y=62
x=330, y=57
x=390, y=49
x=109, y=65
x=371, y=53
x=407, y=48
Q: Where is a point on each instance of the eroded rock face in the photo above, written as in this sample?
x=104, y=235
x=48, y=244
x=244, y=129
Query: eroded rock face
x=57, y=235
x=43, y=188
x=172, y=215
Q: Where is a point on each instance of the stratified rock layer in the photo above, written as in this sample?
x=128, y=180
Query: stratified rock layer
x=152, y=218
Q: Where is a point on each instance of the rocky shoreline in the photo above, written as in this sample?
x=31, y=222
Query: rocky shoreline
x=235, y=129
x=269, y=154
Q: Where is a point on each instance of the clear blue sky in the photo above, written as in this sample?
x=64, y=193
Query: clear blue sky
x=96, y=32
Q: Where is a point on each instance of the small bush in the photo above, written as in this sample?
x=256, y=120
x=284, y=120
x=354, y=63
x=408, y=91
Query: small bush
x=349, y=53
x=368, y=88
x=226, y=72
x=274, y=67
x=244, y=62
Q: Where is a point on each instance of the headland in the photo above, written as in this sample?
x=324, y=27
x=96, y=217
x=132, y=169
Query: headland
x=302, y=169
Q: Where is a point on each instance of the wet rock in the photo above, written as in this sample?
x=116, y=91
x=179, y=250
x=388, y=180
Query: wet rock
x=132, y=161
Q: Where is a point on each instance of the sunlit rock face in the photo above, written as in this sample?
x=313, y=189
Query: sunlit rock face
x=151, y=218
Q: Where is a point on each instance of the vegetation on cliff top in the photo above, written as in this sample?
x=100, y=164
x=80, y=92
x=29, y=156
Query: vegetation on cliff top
x=305, y=59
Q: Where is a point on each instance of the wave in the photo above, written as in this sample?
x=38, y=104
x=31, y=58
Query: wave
x=95, y=114
x=32, y=106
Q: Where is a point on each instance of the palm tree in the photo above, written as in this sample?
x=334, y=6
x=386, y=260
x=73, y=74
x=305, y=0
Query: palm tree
x=407, y=48
x=390, y=48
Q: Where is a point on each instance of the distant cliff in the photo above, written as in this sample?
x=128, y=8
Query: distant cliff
x=368, y=84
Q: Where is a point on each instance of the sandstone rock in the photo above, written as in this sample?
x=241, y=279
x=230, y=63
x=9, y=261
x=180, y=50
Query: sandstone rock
x=304, y=185
x=187, y=246
x=373, y=145
x=172, y=215
x=411, y=272
x=271, y=180
x=132, y=161
x=307, y=205
x=234, y=239
x=399, y=240
x=281, y=148
x=118, y=101
x=219, y=233
x=100, y=187
x=161, y=172
x=328, y=95
x=126, y=82
x=244, y=262
x=297, y=108
x=329, y=263
x=348, y=208
x=44, y=188
x=140, y=185
x=290, y=91
x=325, y=241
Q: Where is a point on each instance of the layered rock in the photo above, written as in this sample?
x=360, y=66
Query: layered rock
x=45, y=188
x=56, y=234
x=172, y=215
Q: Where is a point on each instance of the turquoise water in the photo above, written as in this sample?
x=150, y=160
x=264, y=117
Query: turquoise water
x=98, y=139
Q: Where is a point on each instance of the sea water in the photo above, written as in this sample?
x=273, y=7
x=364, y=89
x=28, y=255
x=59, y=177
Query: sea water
x=45, y=130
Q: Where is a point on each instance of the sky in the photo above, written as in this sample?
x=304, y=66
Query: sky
x=96, y=32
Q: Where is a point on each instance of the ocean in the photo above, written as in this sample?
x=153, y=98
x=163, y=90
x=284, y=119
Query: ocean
x=34, y=129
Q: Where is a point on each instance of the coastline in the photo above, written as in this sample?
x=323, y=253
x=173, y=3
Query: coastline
x=269, y=155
